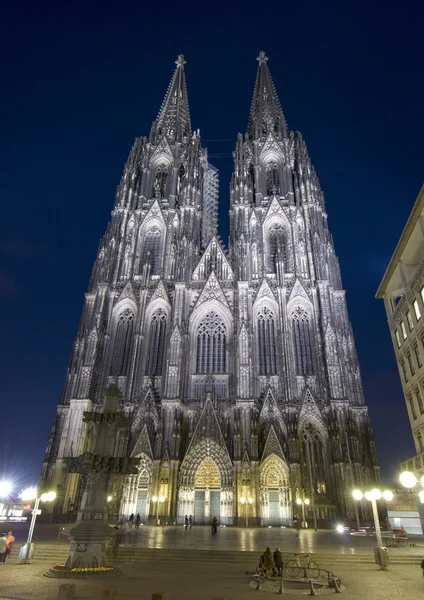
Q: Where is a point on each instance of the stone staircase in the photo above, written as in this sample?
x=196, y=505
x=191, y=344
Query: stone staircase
x=57, y=554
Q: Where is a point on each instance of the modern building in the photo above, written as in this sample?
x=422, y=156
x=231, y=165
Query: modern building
x=402, y=290
x=238, y=368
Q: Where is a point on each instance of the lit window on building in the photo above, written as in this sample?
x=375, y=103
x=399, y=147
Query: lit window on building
x=402, y=326
x=419, y=400
x=397, y=338
x=417, y=310
x=410, y=321
x=412, y=407
x=404, y=371
x=418, y=357
x=411, y=364
x=422, y=294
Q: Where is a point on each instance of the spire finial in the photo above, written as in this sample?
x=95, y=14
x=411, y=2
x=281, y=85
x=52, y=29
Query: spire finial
x=262, y=58
x=180, y=60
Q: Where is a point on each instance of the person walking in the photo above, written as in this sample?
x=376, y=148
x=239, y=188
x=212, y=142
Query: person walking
x=137, y=521
x=214, y=526
x=10, y=539
x=190, y=521
x=278, y=560
x=131, y=519
x=186, y=522
x=269, y=561
x=117, y=542
x=3, y=548
x=296, y=523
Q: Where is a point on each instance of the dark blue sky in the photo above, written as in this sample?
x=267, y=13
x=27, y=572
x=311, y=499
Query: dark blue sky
x=80, y=83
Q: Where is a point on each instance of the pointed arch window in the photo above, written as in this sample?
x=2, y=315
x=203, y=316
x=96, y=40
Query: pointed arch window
x=123, y=343
x=159, y=184
x=277, y=246
x=314, y=459
x=156, y=347
x=302, y=342
x=152, y=250
x=211, y=352
x=272, y=179
x=266, y=342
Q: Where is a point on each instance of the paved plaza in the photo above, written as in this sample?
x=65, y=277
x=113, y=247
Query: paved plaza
x=231, y=538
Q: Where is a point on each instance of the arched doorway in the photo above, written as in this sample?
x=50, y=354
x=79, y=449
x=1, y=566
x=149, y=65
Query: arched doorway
x=207, y=492
x=276, y=503
x=206, y=484
x=136, y=491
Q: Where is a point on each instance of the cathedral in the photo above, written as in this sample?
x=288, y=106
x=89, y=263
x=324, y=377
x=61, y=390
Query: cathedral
x=237, y=367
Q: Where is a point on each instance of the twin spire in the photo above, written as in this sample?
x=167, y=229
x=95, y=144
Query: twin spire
x=266, y=114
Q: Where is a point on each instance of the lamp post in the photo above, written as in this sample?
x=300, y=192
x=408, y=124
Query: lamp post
x=372, y=496
x=246, y=502
x=157, y=500
x=409, y=481
x=31, y=494
x=303, y=502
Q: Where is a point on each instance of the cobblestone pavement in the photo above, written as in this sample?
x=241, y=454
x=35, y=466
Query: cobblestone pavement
x=199, y=581
x=232, y=538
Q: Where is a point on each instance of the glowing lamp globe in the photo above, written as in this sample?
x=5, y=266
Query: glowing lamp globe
x=357, y=495
x=369, y=496
x=299, y=501
x=5, y=488
x=242, y=499
x=29, y=494
x=388, y=495
x=376, y=494
x=306, y=501
x=408, y=479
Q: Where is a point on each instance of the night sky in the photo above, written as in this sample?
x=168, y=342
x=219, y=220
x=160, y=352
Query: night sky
x=80, y=83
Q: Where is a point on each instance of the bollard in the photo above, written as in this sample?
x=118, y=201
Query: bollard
x=160, y=596
x=110, y=594
x=336, y=586
x=281, y=587
x=312, y=591
x=67, y=591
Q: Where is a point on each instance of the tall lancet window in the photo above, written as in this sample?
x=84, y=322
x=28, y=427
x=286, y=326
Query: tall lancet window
x=159, y=184
x=211, y=353
x=314, y=459
x=272, y=179
x=266, y=342
x=302, y=342
x=123, y=343
x=277, y=246
x=156, y=347
x=152, y=251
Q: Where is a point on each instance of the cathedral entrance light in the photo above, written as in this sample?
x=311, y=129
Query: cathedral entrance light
x=372, y=496
x=158, y=501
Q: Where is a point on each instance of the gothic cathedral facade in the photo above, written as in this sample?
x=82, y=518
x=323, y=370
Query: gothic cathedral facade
x=238, y=368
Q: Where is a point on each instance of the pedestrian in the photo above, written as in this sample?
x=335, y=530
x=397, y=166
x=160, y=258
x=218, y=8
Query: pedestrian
x=186, y=522
x=296, y=523
x=278, y=559
x=3, y=548
x=131, y=519
x=137, y=520
x=10, y=539
x=269, y=561
x=190, y=521
x=214, y=526
x=262, y=562
x=116, y=542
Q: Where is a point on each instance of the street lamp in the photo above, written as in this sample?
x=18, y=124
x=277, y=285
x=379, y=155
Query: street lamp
x=409, y=481
x=5, y=488
x=31, y=494
x=246, y=502
x=303, y=503
x=372, y=496
x=158, y=501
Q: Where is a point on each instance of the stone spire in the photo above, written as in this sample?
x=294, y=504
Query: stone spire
x=173, y=119
x=266, y=114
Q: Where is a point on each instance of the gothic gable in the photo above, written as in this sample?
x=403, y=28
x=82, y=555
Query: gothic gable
x=127, y=292
x=298, y=291
x=162, y=152
x=212, y=291
x=272, y=446
x=154, y=213
x=146, y=411
x=213, y=259
x=270, y=411
x=271, y=150
x=264, y=292
x=208, y=427
x=160, y=292
x=276, y=210
x=143, y=445
x=309, y=408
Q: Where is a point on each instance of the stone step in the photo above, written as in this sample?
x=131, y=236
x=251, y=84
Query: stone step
x=128, y=554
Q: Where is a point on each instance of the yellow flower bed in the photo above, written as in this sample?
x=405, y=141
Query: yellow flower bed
x=93, y=570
